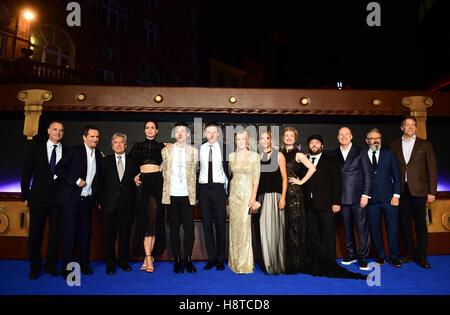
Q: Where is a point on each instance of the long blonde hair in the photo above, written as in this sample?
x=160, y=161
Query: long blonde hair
x=247, y=138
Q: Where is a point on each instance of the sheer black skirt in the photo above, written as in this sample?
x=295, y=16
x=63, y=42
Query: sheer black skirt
x=304, y=251
x=149, y=214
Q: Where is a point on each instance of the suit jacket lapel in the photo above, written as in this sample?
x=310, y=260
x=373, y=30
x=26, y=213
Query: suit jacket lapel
x=46, y=157
x=114, y=166
x=399, y=147
x=380, y=158
x=84, y=160
x=414, y=150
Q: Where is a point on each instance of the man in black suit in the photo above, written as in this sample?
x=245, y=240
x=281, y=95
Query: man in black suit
x=115, y=199
x=40, y=165
x=355, y=171
x=79, y=171
x=212, y=196
x=323, y=192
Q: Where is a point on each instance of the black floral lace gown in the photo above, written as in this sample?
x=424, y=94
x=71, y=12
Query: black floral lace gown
x=304, y=251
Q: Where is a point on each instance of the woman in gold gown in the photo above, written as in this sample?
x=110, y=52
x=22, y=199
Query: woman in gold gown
x=245, y=166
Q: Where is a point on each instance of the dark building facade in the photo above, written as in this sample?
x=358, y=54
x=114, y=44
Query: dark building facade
x=119, y=42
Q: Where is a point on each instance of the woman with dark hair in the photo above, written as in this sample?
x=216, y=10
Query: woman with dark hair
x=149, y=232
x=304, y=253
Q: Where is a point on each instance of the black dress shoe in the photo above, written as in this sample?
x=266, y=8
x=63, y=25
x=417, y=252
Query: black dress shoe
x=210, y=265
x=125, y=267
x=407, y=259
x=220, y=266
x=110, y=269
x=178, y=265
x=86, y=270
x=189, y=265
x=34, y=274
x=395, y=262
x=380, y=261
x=53, y=271
x=422, y=261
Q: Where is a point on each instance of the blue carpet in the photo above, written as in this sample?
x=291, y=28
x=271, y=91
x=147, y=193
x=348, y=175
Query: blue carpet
x=410, y=279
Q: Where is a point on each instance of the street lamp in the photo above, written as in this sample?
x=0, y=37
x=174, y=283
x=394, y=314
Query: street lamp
x=28, y=15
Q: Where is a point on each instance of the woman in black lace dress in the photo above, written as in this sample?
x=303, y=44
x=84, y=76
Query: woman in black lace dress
x=304, y=253
x=149, y=232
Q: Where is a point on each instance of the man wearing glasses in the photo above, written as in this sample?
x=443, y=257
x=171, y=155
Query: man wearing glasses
x=385, y=194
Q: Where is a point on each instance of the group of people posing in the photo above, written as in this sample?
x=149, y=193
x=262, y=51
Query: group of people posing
x=291, y=198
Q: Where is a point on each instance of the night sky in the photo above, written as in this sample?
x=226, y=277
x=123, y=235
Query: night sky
x=312, y=44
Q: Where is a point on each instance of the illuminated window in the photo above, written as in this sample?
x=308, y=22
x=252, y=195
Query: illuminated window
x=50, y=44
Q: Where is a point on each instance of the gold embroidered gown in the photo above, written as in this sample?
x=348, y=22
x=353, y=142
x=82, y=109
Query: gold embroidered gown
x=245, y=176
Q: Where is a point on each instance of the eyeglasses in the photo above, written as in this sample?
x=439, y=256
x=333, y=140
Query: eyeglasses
x=377, y=138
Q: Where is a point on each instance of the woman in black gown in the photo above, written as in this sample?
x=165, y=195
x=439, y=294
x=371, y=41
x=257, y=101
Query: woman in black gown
x=149, y=232
x=304, y=253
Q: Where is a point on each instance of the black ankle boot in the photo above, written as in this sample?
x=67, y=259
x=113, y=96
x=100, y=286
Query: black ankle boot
x=178, y=266
x=188, y=265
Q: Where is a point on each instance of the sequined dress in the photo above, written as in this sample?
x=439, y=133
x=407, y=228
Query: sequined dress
x=245, y=176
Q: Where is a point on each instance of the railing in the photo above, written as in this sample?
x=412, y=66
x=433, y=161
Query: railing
x=25, y=70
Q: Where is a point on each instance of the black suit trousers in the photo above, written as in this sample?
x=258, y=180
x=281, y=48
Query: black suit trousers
x=179, y=206
x=77, y=229
x=117, y=223
x=413, y=208
x=38, y=217
x=324, y=221
x=212, y=202
x=352, y=215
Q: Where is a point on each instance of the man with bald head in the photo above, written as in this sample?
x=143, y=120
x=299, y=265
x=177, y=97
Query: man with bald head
x=355, y=171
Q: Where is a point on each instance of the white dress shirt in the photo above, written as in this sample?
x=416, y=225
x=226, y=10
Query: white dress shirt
x=123, y=159
x=407, y=147
x=218, y=173
x=91, y=169
x=345, y=153
x=377, y=155
x=315, y=162
x=58, y=153
x=178, y=182
x=316, y=158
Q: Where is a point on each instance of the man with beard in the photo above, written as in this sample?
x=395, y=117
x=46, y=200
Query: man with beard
x=385, y=194
x=323, y=192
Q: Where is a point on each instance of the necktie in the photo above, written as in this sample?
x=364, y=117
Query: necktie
x=313, y=159
x=210, y=168
x=374, y=159
x=53, y=160
x=120, y=168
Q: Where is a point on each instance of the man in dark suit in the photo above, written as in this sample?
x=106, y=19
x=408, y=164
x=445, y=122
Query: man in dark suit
x=212, y=196
x=115, y=200
x=418, y=175
x=40, y=165
x=323, y=192
x=385, y=194
x=355, y=171
x=79, y=171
